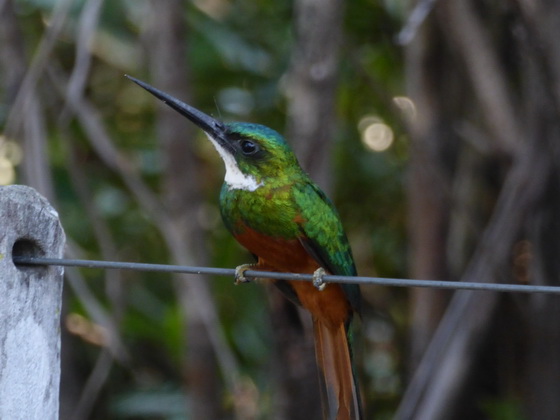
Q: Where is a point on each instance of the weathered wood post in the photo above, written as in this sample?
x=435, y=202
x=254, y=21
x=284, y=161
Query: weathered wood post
x=30, y=301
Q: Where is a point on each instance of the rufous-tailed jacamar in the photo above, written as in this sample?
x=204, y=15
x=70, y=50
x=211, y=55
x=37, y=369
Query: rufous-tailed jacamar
x=274, y=209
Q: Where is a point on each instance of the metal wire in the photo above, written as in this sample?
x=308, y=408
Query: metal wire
x=438, y=284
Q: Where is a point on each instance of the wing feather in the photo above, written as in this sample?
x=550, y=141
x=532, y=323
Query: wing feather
x=323, y=236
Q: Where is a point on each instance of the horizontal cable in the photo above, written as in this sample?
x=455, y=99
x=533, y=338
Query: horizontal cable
x=327, y=278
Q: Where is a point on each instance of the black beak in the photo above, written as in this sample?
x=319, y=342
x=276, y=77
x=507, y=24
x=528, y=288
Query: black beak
x=210, y=125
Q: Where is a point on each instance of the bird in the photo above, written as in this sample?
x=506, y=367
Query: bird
x=272, y=208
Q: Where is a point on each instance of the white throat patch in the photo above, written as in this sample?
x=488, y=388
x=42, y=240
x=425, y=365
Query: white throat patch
x=235, y=179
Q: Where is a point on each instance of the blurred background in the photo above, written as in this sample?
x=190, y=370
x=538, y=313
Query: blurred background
x=435, y=128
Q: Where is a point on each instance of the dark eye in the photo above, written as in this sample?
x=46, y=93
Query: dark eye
x=249, y=147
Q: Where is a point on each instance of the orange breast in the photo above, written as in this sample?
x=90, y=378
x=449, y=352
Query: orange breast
x=288, y=255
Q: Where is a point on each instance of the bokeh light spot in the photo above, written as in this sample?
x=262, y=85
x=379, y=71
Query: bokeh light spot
x=7, y=171
x=376, y=135
x=406, y=105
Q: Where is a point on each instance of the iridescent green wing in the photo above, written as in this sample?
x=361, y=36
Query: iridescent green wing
x=323, y=235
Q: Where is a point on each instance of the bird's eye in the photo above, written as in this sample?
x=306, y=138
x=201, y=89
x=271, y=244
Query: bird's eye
x=249, y=147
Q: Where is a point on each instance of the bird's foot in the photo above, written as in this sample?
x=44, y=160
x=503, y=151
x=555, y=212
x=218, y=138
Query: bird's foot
x=318, y=281
x=240, y=273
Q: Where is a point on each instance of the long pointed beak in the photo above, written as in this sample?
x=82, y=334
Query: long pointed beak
x=210, y=125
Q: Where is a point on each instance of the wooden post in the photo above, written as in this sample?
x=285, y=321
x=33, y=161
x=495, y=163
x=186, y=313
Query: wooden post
x=30, y=303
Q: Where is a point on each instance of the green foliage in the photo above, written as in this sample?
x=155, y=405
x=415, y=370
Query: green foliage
x=503, y=410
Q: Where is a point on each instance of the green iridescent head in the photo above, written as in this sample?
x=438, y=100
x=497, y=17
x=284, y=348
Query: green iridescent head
x=258, y=150
x=253, y=154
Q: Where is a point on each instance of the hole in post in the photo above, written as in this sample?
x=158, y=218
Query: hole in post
x=25, y=247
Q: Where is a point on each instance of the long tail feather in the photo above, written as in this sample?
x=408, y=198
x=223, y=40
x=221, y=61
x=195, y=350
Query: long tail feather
x=339, y=391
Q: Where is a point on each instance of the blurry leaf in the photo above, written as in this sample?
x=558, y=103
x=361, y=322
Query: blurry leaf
x=232, y=47
x=167, y=403
x=503, y=410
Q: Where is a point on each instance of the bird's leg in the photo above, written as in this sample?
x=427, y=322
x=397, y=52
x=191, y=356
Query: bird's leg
x=240, y=272
x=318, y=281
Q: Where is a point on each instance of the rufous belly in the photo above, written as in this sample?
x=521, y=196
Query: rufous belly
x=288, y=255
